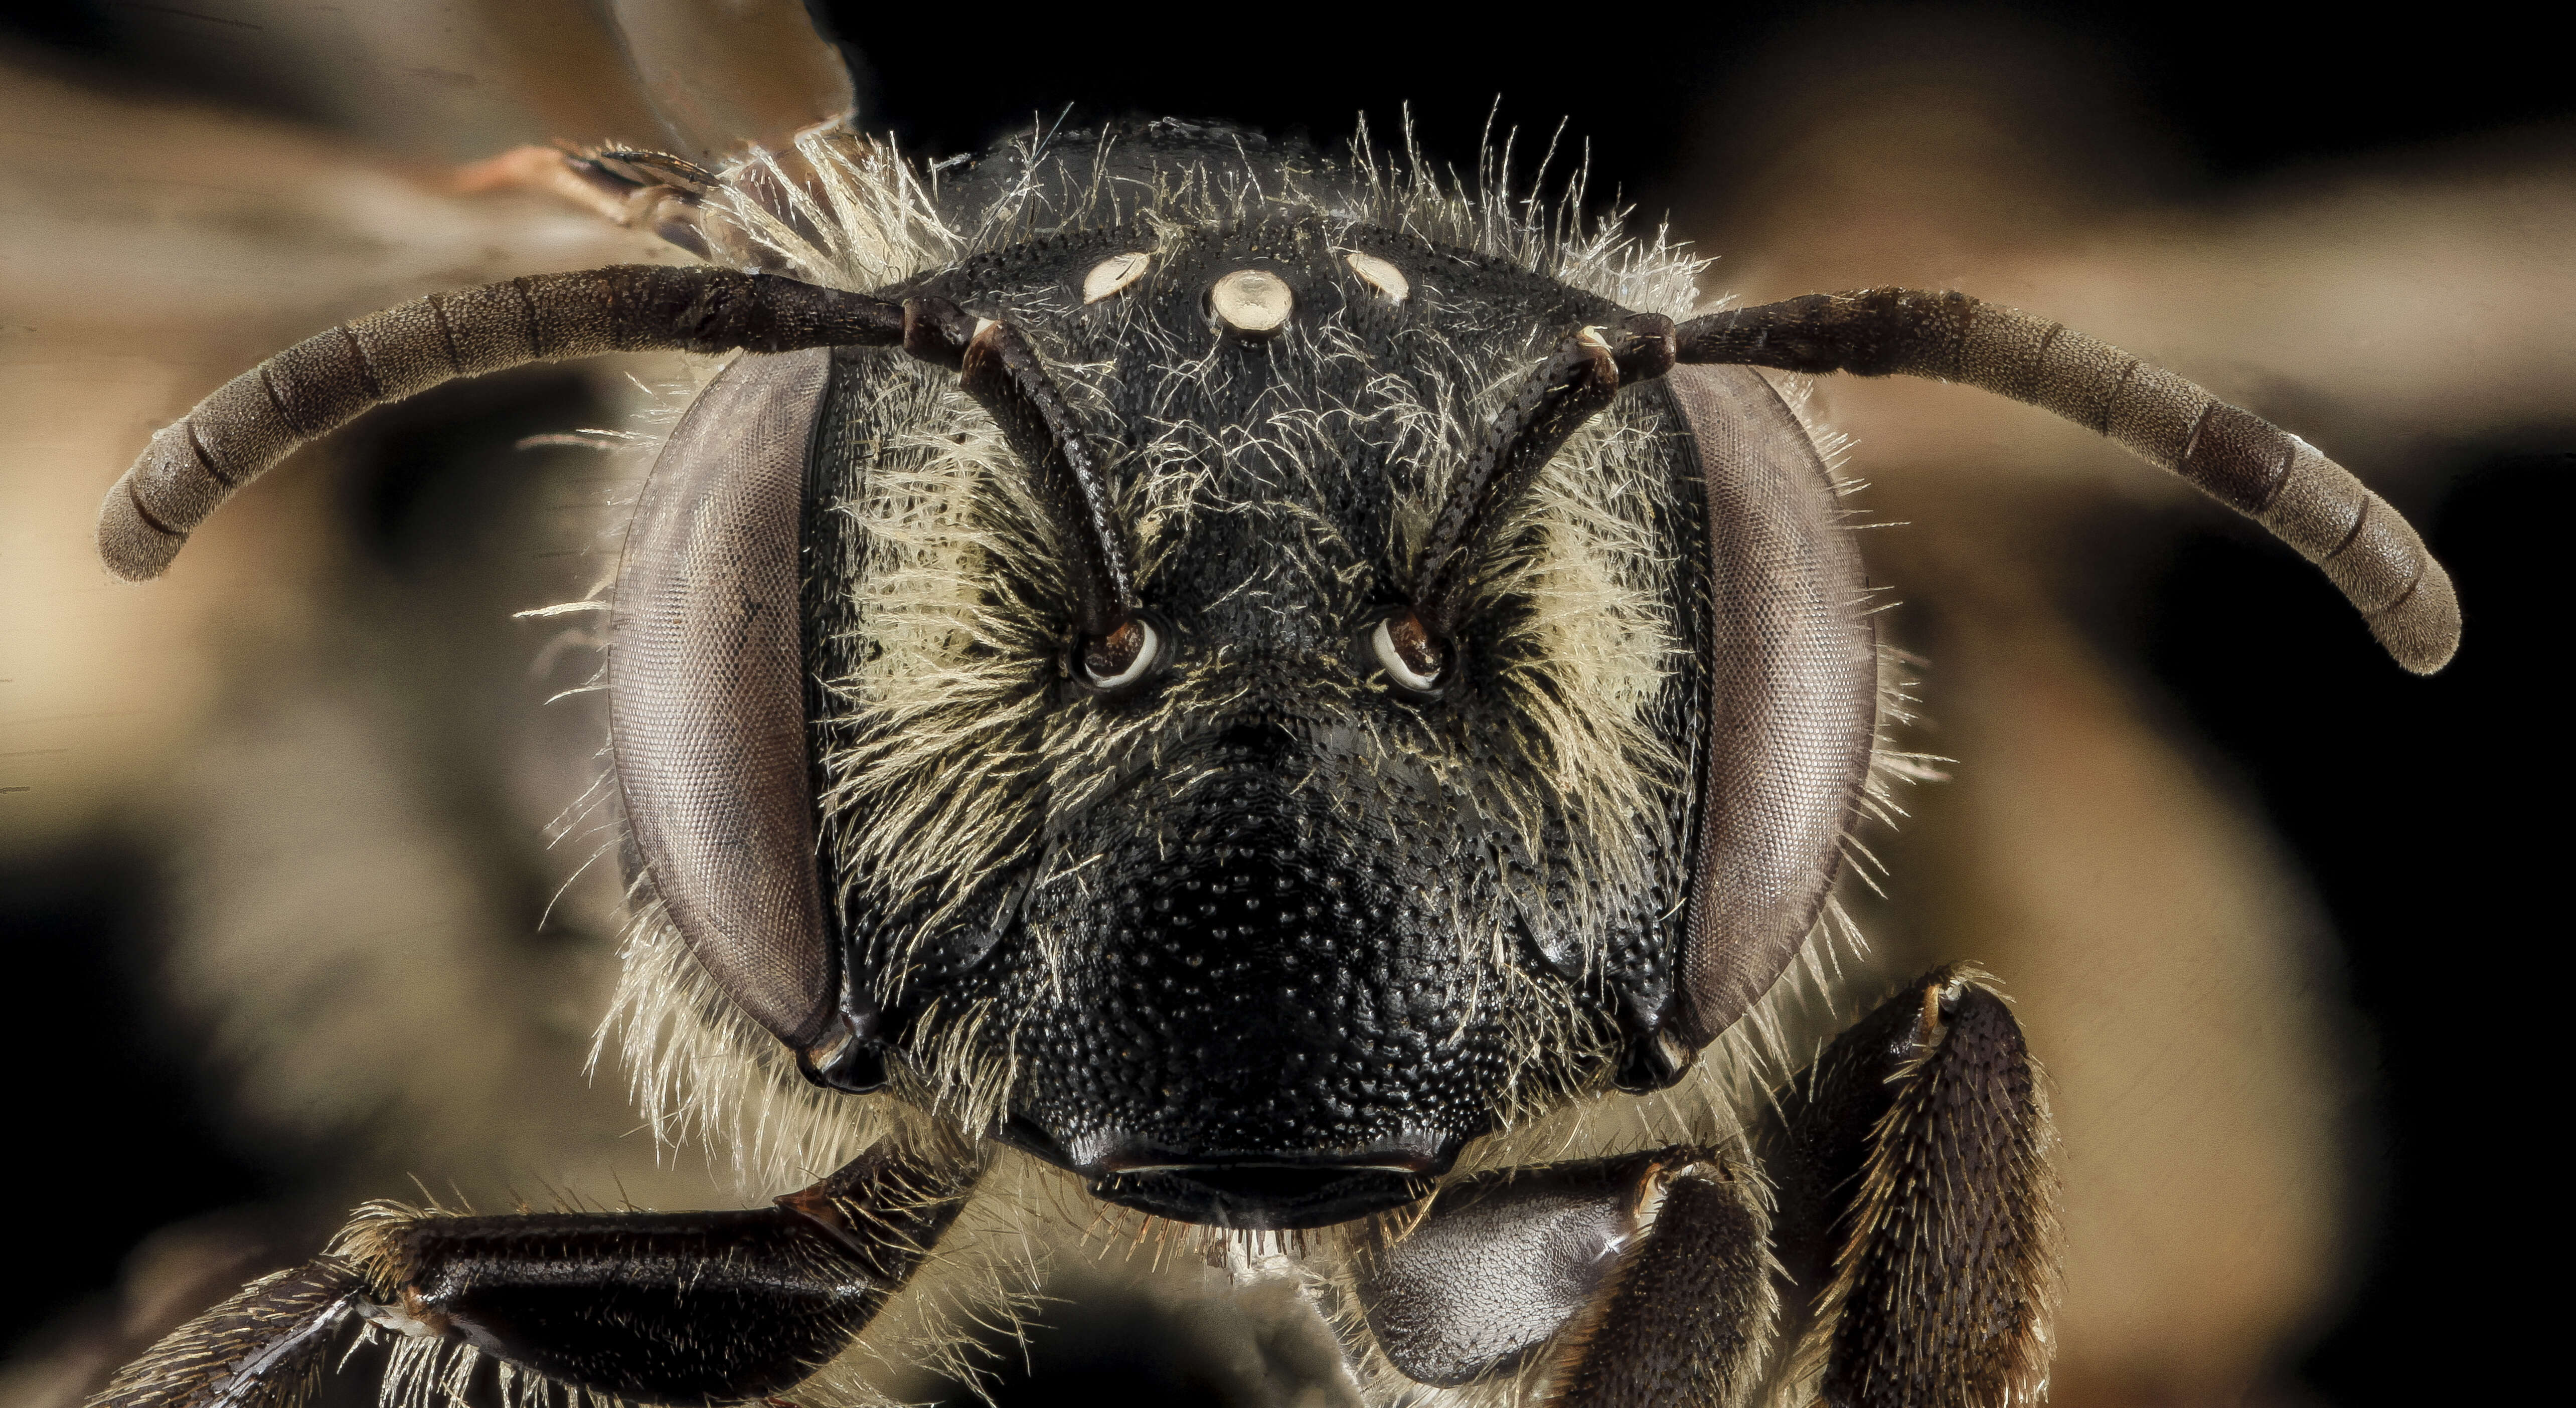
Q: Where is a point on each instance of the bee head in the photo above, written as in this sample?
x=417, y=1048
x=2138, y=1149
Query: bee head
x=1254, y=915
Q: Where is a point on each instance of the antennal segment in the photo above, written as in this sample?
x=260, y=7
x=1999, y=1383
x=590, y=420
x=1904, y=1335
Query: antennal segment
x=1004, y=375
x=1580, y=376
x=328, y=380
x=2236, y=457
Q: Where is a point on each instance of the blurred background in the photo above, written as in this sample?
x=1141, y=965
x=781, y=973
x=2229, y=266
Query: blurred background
x=295, y=914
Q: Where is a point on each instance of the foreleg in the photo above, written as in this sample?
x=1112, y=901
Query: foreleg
x=678, y=1308
x=264, y=1345
x=1915, y=1232
x=1918, y=1207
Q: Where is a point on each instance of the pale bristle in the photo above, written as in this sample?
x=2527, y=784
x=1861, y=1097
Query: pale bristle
x=859, y=215
x=701, y=1071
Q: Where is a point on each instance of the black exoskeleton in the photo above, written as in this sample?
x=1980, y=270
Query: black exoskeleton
x=1225, y=686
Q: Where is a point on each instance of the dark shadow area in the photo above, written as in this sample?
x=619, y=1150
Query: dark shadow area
x=2240, y=98
x=1105, y=1351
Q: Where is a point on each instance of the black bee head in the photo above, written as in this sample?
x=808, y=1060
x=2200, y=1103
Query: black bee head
x=1260, y=927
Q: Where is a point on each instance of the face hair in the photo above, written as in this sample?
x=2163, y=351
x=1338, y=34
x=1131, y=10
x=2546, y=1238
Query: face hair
x=848, y=211
x=959, y=669
x=928, y=707
x=700, y=1071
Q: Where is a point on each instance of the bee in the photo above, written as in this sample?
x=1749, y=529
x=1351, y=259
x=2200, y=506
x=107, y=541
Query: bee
x=1260, y=700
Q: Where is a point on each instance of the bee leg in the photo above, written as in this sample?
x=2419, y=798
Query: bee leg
x=1684, y=1317
x=264, y=1345
x=1643, y=1280
x=1917, y=1207
x=680, y=1308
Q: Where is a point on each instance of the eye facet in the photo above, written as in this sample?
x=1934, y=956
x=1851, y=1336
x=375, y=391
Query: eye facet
x=1413, y=661
x=1121, y=658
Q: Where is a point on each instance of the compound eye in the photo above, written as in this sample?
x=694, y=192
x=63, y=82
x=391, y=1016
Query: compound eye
x=1124, y=656
x=1414, y=662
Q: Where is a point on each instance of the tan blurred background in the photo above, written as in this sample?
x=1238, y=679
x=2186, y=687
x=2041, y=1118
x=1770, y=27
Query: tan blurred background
x=279, y=835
